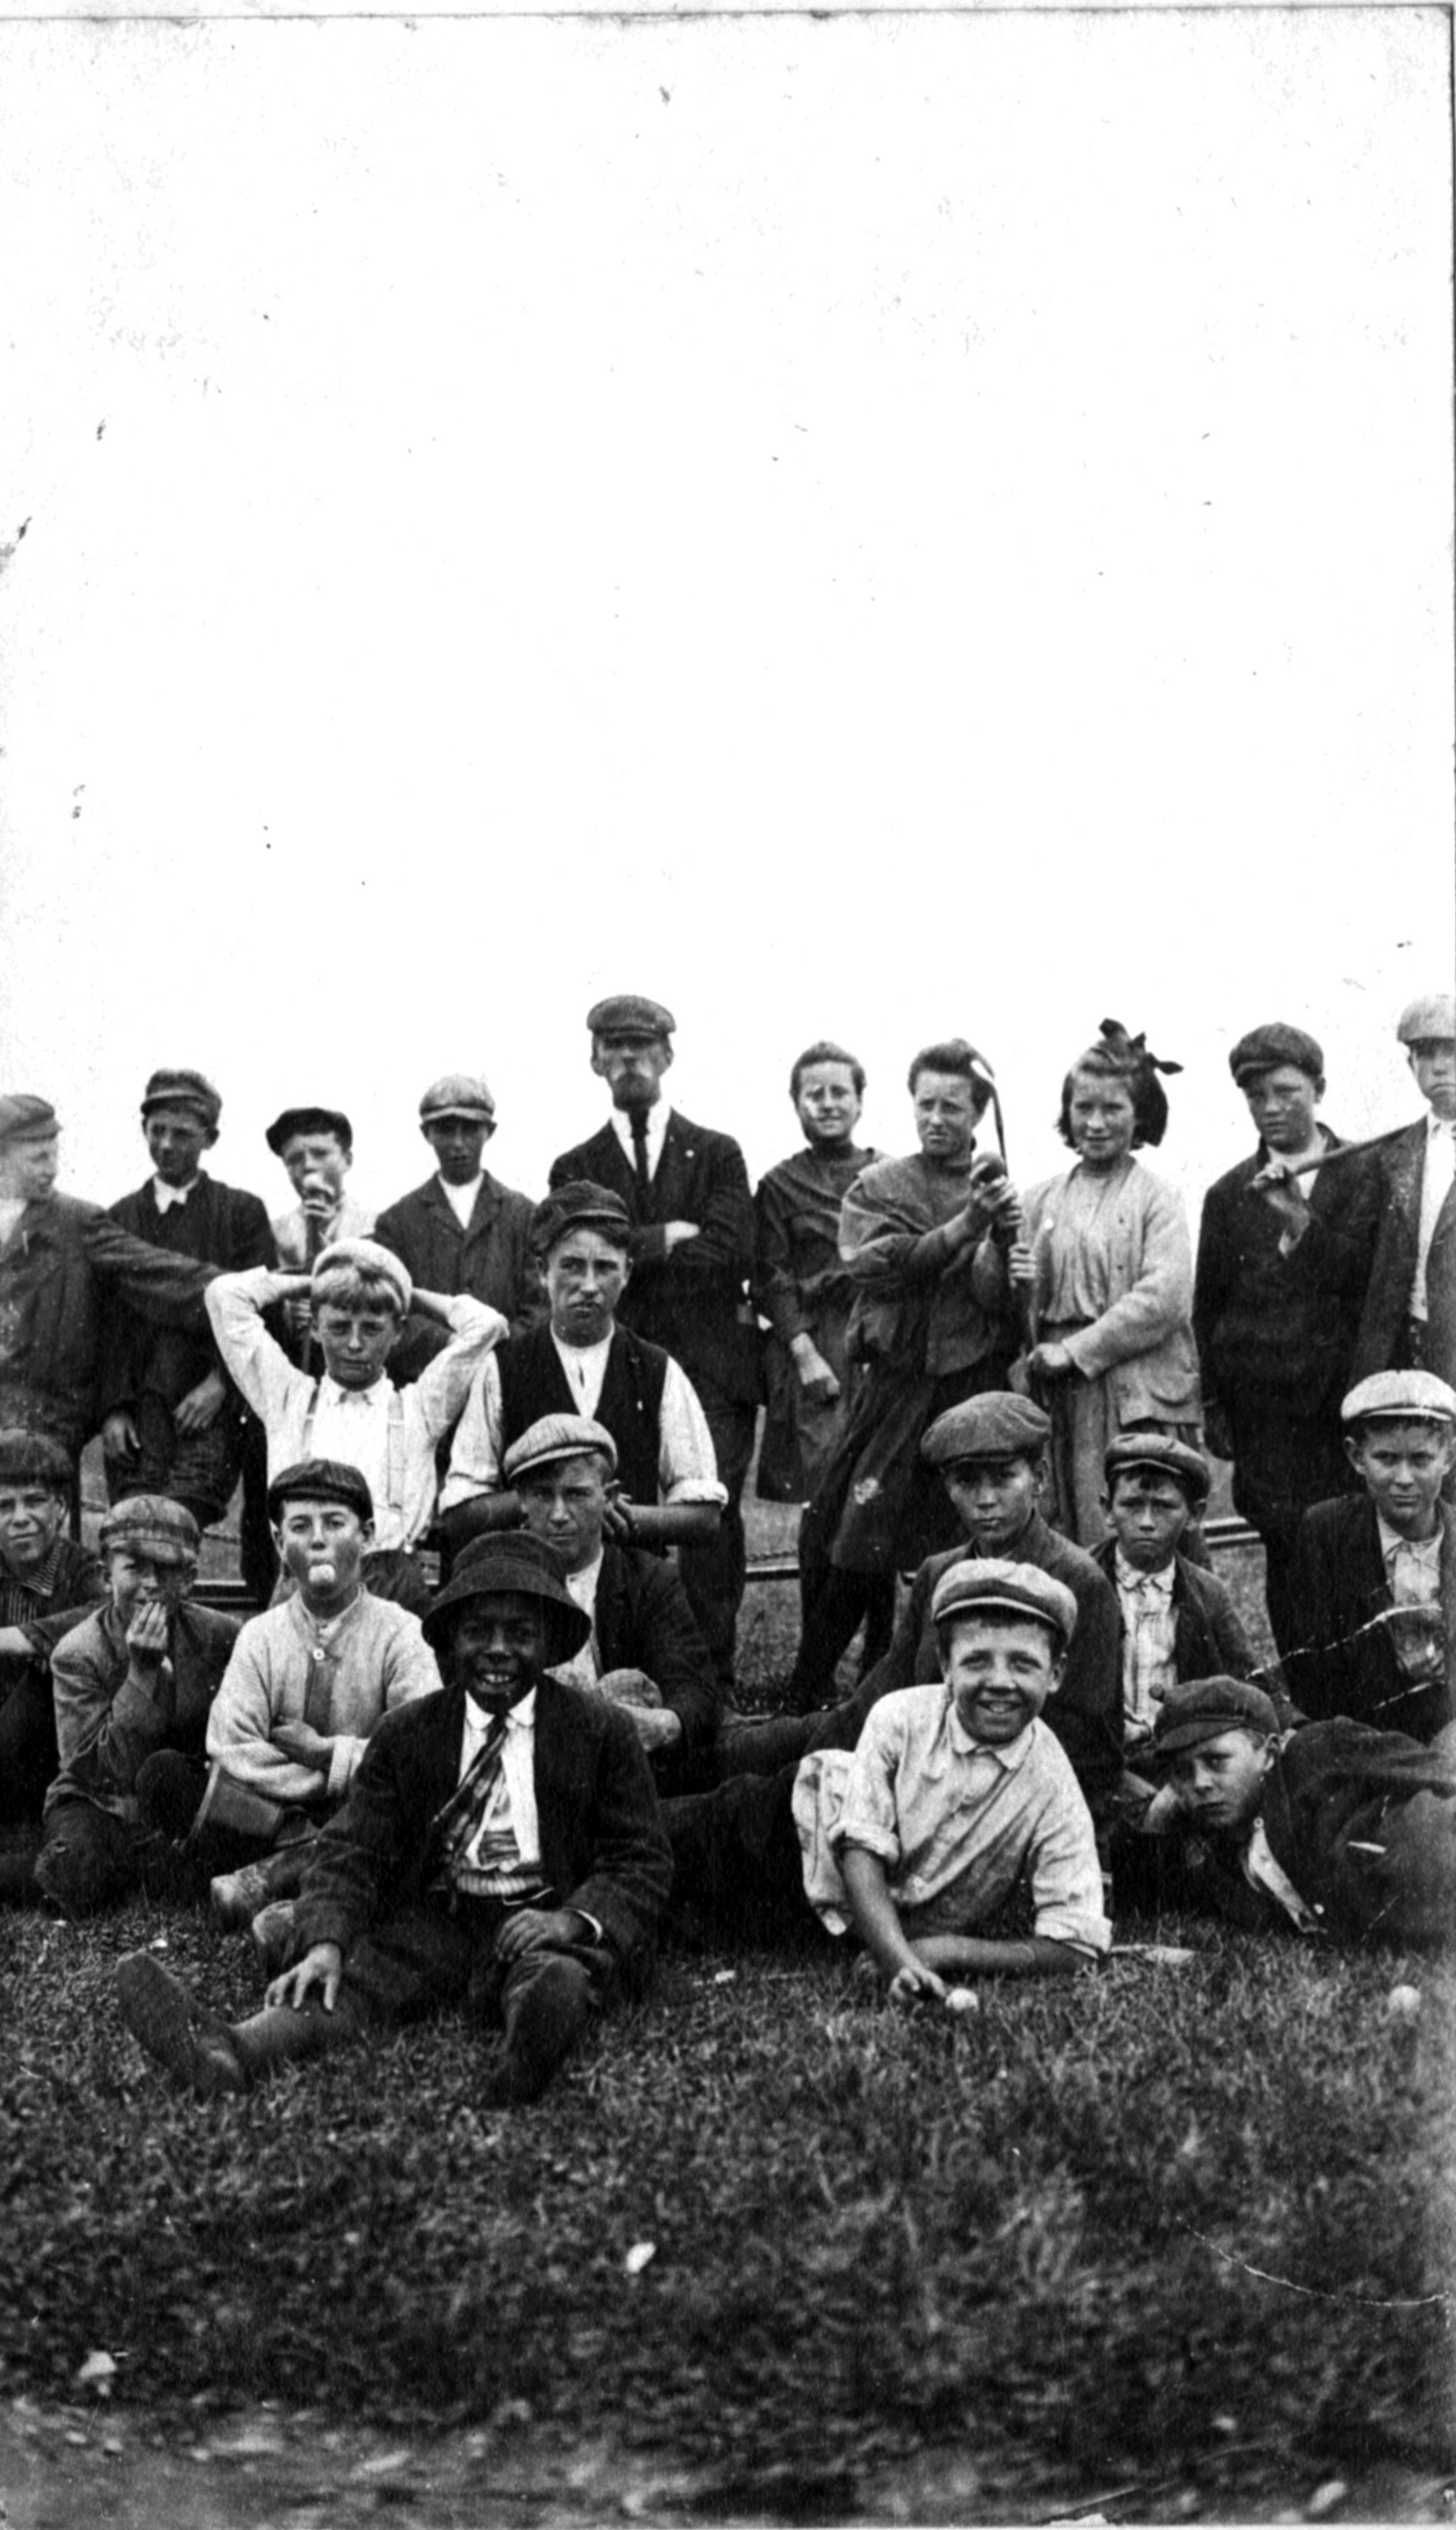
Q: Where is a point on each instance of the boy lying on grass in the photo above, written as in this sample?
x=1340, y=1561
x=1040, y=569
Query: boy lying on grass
x=501, y=1848
x=956, y=1792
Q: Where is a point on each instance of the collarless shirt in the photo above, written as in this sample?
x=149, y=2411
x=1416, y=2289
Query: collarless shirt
x=1149, y=1627
x=658, y=1116
x=503, y=1858
x=462, y=1198
x=1437, y=1177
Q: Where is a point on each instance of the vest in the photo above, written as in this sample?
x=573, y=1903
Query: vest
x=533, y=1383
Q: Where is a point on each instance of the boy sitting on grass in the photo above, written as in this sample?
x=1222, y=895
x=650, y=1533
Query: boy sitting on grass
x=1177, y=1619
x=1338, y=1832
x=957, y=1794
x=501, y=1848
x=361, y=1296
x=48, y=1584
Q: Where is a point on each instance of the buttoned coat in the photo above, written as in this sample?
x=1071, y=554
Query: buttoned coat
x=491, y=1258
x=1346, y=1660
x=1208, y=1639
x=643, y=1621
x=693, y=1302
x=1400, y=1166
x=65, y=1263
x=218, y=1225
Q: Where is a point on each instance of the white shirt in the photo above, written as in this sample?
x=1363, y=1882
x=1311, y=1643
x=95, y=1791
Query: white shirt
x=11, y=1208
x=658, y=1119
x=505, y=1853
x=1436, y=1184
x=1413, y=1566
x=462, y=1198
x=390, y=1436
x=1149, y=1629
x=291, y=1230
x=687, y=1466
x=165, y=1196
x=584, y=1668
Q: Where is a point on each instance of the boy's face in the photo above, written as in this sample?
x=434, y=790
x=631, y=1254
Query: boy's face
x=1282, y=1102
x=1433, y=1063
x=1219, y=1784
x=1402, y=1467
x=993, y=1499
x=828, y=1104
x=29, y=1168
x=356, y=1342
x=1149, y=1514
x=632, y=1068
x=137, y=1579
x=585, y=1276
x=498, y=1648
x=564, y=1506
x=1000, y=1671
x=322, y=1545
x=30, y=1520
x=317, y=1155
x=944, y=1114
x=176, y=1139
x=457, y=1143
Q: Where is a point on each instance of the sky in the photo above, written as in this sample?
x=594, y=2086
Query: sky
x=876, y=527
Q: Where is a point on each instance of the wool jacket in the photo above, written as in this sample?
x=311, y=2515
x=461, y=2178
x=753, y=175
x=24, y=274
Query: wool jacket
x=218, y=1225
x=1277, y=1333
x=643, y=1621
x=1399, y=1169
x=67, y=1264
x=1142, y=1345
x=1209, y=1638
x=1346, y=1661
x=110, y=1717
x=491, y=1258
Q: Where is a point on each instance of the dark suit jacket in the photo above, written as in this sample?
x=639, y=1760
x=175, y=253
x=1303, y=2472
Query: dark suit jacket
x=603, y=1846
x=1340, y=1585
x=644, y=1621
x=491, y=1259
x=218, y=1225
x=1208, y=1639
x=1086, y=1712
x=693, y=1302
x=67, y=1264
x=1401, y=1167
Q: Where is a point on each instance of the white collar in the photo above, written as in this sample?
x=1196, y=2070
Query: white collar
x=583, y=1584
x=1009, y=1756
x=458, y=1194
x=375, y=1396
x=167, y=1196
x=1436, y=1123
x=590, y=1354
x=658, y=1118
x=1429, y=1549
x=521, y=1716
x=1130, y=1578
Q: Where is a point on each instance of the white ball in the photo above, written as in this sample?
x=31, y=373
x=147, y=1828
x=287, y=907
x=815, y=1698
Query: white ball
x=1402, y=2002
x=961, y=1998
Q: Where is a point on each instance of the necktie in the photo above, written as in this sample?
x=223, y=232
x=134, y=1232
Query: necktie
x=640, y=1169
x=457, y=1820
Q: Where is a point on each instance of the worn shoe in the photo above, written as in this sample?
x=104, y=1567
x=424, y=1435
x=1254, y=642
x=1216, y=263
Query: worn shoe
x=273, y=1935
x=193, y=2045
x=236, y=1897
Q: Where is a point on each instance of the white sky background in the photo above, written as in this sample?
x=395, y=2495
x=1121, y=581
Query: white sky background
x=876, y=527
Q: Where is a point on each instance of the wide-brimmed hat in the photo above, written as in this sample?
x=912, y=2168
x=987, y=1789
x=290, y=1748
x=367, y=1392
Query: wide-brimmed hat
x=515, y=1562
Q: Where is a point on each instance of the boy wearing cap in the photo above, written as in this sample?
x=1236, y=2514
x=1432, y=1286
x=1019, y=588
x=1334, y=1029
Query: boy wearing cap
x=132, y=1681
x=1177, y=1618
x=172, y=1420
x=583, y=1361
x=463, y=1229
x=690, y=1220
x=63, y=1264
x=359, y=1295
x=500, y=1849
x=644, y=1651
x=1283, y=1262
x=1375, y=1575
x=47, y=1585
x=957, y=1795
x=316, y=1147
x=1409, y=1320
x=1340, y=1832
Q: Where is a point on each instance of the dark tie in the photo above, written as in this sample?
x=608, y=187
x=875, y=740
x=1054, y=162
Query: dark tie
x=454, y=1823
x=640, y=1170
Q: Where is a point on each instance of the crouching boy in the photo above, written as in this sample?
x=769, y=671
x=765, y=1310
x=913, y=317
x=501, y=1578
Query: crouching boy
x=957, y=1794
x=48, y=1584
x=501, y=1848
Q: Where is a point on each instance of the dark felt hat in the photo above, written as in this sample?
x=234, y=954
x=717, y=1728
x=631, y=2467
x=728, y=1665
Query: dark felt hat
x=321, y=1480
x=629, y=1015
x=25, y=1118
x=986, y=1586
x=1159, y=1454
x=190, y=1090
x=1265, y=1048
x=513, y=1561
x=998, y=1425
x=578, y=1205
x=34, y=1459
x=308, y=1120
x=1205, y=1707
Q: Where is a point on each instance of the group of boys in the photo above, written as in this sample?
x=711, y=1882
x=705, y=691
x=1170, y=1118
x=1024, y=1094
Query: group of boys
x=485, y=1791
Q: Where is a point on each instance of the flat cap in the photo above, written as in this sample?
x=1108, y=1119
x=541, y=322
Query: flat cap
x=366, y=1256
x=1205, y=1707
x=1265, y=1047
x=987, y=1585
x=629, y=1015
x=997, y=1425
x=578, y=1205
x=459, y=1093
x=192, y=1089
x=1400, y=1397
x=154, y=1525
x=34, y=1459
x=1432, y=1015
x=322, y=1480
x=519, y=1562
x=308, y=1120
x=554, y=1437
x=1161, y=1454
x=23, y=1119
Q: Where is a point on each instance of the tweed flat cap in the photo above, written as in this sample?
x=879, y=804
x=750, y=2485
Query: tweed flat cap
x=322, y=1480
x=190, y=1090
x=308, y=1120
x=578, y=1205
x=987, y=1585
x=367, y=1255
x=23, y=1119
x=515, y=1562
x=1160, y=1454
x=459, y=1093
x=554, y=1437
x=154, y=1526
x=34, y=1459
x=1400, y=1397
x=1205, y=1707
x=1427, y=1019
x=1265, y=1047
x=629, y=1015
x=997, y=1425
